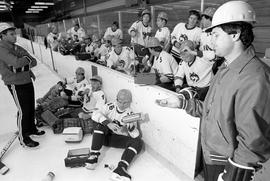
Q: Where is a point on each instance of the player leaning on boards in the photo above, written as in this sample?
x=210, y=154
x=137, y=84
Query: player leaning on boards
x=110, y=130
x=15, y=69
x=235, y=115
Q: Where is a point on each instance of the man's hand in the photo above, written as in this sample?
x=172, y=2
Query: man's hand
x=177, y=44
x=133, y=33
x=172, y=102
x=114, y=127
x=164, y=79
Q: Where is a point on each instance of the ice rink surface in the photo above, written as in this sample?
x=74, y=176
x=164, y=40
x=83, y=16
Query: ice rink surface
x=33, y=165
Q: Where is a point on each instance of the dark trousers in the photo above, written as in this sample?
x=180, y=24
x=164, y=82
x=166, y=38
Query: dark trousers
x=104, y=136
x=24, y=98
x=211, y=172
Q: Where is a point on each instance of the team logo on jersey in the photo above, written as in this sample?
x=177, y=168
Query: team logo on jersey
x=207, y=48
x=194, y=77
x=122, y=63
x=183, y=37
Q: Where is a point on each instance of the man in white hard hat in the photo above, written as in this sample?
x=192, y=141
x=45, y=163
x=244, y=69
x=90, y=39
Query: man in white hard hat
x=15, y=69
x=235, y=115
x=163, y=32
x=110, y=130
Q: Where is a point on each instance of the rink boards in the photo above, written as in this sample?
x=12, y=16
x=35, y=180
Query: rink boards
x=170, y=135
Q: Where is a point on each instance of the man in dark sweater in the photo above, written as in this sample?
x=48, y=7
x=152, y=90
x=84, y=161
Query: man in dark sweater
x=15, y=69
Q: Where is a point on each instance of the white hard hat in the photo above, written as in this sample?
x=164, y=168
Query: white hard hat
x=233, y=11
x=5, y=26
x=163, y=15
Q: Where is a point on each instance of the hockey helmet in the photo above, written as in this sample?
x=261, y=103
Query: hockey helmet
x=124, y=94
x=5, y=26
x=195, y=12
x=163, y=15
x=80, y=70
x=152, y=42
x=146, y=11
x=187, y=43
x=209, y=11
x=97, y=78
x=233, y=11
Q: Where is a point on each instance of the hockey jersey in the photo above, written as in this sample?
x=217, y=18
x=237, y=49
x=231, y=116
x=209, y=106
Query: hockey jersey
x=80, y=33
x=181, y=33
x=165, y=64
x=163, y=35
x=76, y=87
x=117, y=33
x=142, y=33
x=124, y=58
x=198, y=74
x=110, y=112
x=93, y=100
x=206, y=46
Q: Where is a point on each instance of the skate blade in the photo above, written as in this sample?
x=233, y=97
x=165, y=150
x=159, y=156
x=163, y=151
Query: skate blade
x=90, y=166
x=116, y=177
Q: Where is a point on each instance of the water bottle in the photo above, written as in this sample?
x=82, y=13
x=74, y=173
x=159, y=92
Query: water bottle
x=49, y=177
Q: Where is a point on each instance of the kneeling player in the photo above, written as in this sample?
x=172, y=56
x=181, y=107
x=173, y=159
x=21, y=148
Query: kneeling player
x=196, y=70
x=111, y=131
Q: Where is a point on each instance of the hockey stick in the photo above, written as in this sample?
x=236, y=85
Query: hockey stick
x=3, y=168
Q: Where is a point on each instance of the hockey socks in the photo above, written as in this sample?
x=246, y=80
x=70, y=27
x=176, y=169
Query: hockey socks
x=97, y=141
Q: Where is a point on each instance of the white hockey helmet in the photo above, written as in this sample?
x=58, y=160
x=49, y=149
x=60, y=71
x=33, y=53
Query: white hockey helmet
x=209, y=11
x=233, y=11
x=146, y=11
x=5, y=26
x=163, y=15
x=152, y=42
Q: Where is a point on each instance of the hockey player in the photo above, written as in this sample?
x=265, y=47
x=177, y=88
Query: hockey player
x=206, y=47
x=15, y=70
x=75, y=86
x=163, y=32
x=111, y=131
x=235, y=116
x=120, y=57
x=76, y=30
x=140, y=31
x=114, y=31
x=185, y=31
x=164, y=64
x=94, y=98
x=196, y=70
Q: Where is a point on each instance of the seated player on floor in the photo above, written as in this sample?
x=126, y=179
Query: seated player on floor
x=111, y=131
